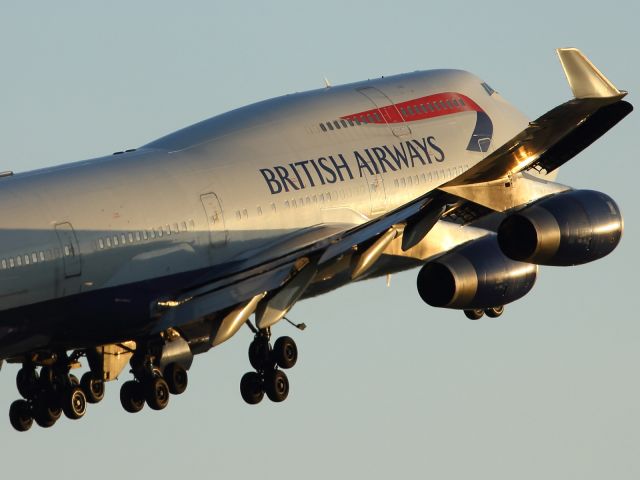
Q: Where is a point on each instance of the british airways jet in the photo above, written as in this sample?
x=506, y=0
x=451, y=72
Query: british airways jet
x=150, y=256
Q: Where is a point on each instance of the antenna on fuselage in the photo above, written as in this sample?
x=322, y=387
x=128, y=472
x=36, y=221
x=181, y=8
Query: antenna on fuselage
x=327, y=83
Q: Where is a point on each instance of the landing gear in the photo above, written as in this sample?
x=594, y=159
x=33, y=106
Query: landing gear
x=494, y=312
x=176, y=377
x=477, y=313
x=132, y=396
x=20, y=415
x=74, y=403
x=157, y=393
x=267, y=361
x=93, y=387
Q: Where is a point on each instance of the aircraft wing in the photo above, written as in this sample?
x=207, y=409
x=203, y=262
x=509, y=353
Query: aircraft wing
x=563, y=132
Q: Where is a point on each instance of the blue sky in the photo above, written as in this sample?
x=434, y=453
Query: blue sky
x=386, y=386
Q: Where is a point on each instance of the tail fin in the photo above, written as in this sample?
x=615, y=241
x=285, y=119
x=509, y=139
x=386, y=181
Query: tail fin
x=585, y=80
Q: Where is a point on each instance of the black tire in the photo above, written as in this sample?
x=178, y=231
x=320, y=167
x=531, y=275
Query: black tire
x=74, y=403
x=27, y=382
x=494, y=312
x=157, y=393
x=45, y=413
x=251, y=388
x=20, y=415
x=73, y=380
x=46, y=379
x=276, y=385
x=475, y=314
x=285, y=352
x=132, y=396
x=260, y=354
x=177, y=378
x=93, y=387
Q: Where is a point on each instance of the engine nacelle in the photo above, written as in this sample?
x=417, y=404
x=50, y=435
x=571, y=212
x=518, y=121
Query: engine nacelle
x=569, y=228
x=475, y=275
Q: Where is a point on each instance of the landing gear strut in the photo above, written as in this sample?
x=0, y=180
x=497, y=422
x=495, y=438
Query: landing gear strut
x=268, y=361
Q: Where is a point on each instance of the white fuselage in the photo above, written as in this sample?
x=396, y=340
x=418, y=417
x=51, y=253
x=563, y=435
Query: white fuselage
x=227, y=189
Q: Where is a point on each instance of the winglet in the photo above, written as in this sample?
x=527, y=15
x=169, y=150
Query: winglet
x=585, y=80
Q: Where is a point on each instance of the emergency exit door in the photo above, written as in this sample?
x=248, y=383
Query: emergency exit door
x=70, y=250
x=218, y=234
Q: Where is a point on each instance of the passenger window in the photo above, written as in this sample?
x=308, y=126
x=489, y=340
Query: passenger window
x=41, y=256
x=100, y=243
x=404, y=112
x=115, y=241
x=159, y=232
x=108, y=239
x=455, y=102
x=430, y=105
x=152, y=233
x=370, y=118
x=294, y=204
x=344, y=124
x=329, y=125
x=238, y=216
x=444, y=107
x=357, y=121
x=449, y=104
x=130, y=235
x=18, y=261
x=192, y=224
x=123, y=238
x=462, y=102
x=322, y=127
x=286, y=204
x=184, y=226
x=4, y=264
x=34, y=257
x=145, y=235
x=336, y=124
x=410, y=110
x=167, y=229
x=137, y=236
x=377, y=117
x=363, y=119
x=245, y=214
x=26, y=260
x=175, y=228
x=11, y=264
x=350, y=123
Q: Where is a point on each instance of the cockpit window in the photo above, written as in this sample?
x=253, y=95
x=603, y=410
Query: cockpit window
x=488, y=89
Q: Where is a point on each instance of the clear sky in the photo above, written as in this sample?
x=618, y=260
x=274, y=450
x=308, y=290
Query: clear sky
x=386, y=387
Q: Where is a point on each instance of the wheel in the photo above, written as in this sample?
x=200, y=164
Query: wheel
x=93, y=387
x=475, y=314
x=157, y=393
x=73, y=380
x=177, y=378
x=20, y=415
x=46, y=377
x=494, y=312
x=285, y=352
x=27, y=381
x=260, y=354
x=131, y=396
x=74, y=403
x=45, y=413
x=276, y=385
x=251, y=388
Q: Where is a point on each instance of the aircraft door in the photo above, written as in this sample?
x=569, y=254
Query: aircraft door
x=388, y=111
x=218, y=234
x=70, y=250
x=377, y=192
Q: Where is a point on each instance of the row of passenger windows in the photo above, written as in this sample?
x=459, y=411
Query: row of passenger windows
x=119, y=239
x=427, y=177
x=408, y=111
x=342, y=123
x=430, y=107
x=25, y=259
x=315, y=199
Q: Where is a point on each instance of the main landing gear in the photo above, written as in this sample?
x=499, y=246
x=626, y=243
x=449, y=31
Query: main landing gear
x=52, y=391
x=477, y=313
x=268, y=363
x=151, y=385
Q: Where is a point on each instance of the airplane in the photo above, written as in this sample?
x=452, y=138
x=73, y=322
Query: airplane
x=150, y=256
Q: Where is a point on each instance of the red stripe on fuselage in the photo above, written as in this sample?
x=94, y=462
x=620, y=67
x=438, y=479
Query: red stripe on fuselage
x=422, y=108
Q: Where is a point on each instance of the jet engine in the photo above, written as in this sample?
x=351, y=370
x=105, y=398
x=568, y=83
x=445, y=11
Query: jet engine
x=476, y=275
x=569, y=228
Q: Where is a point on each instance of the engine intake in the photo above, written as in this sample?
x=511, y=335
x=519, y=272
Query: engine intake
x=475, y=275
x=570, y=228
